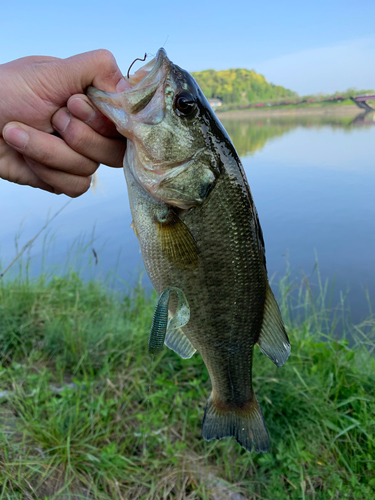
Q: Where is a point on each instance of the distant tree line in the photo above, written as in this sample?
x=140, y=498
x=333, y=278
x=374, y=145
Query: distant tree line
x=239, y=86
x=346, y=94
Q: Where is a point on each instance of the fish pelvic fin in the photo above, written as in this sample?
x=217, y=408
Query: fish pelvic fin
x=246, y=425
x=273, y=340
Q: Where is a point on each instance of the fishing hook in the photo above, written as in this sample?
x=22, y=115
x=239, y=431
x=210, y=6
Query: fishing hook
x=138, y=59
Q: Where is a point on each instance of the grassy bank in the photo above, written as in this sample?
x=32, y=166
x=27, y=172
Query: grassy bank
x=302, y=105
x=86, y=412
x=296, y=110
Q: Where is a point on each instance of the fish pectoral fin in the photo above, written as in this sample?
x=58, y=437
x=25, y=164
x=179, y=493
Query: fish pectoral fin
x=160, y=327
x=179, y=343
x=273, y=340
x=246, y=425
x=177, y=243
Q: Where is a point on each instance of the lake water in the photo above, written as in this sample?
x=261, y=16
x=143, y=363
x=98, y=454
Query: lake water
x=313, y=182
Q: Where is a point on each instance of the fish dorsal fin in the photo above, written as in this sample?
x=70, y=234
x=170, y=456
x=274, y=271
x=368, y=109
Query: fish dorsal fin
x=177, y=243
x=273, y=340
x=179, y=343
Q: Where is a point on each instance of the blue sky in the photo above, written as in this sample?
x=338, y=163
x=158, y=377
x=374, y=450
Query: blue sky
x=308, y=47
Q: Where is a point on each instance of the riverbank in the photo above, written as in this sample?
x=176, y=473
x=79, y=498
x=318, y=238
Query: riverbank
x=85, y=411
x=333, y=110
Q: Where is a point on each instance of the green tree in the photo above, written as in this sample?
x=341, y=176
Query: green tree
x=239, y=86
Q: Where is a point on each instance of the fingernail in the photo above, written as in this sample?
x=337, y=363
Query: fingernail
x=61, y=120
x=123, y=85
x=15, y=137
x=84, y=111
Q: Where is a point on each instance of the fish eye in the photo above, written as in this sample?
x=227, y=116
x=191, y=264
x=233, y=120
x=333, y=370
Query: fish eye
x=184, y=104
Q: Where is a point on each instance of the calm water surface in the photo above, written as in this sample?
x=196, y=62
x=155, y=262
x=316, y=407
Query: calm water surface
x=313, y=182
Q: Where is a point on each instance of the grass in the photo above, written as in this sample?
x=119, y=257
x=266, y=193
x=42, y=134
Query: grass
x=85, y=413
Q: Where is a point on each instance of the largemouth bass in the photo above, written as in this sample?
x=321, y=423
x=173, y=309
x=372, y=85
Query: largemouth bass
x=201, y=240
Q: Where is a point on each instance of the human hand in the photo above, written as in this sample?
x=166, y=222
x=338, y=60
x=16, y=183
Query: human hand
x=40, y=96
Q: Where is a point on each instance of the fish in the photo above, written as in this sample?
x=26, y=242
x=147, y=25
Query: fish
x=200, y=239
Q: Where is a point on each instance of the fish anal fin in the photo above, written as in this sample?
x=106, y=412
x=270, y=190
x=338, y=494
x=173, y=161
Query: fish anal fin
x=177, y=243
x=179, y=343
x=273, y=340
x=246, y=425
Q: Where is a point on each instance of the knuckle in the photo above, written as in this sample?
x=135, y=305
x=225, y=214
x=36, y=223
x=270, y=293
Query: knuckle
x=86, y=168
x=80, y=141
x=78, y=186
x=78, y=137
x=75, y=136
x=43, y=156
x=12, y=175
x=100, y=125
x=6, y=170
x=92, y=168
x=105, y=57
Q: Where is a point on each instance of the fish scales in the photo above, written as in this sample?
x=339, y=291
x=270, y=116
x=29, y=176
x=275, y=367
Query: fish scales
x=199, y=233
x=220, y=292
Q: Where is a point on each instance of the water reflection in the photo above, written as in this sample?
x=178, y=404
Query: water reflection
x=312, y=179
x=312, y=182
x=251, y=134
x=364, y=119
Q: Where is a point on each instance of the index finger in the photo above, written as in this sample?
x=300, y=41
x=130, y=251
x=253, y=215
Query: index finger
x=79, y=106
x=98, y=68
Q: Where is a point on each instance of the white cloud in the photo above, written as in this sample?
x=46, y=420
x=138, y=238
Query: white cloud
x=324, y=69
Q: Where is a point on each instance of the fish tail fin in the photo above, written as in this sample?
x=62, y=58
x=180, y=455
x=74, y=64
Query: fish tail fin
x=246, y=425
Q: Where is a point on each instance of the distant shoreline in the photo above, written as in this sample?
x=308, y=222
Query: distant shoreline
x=346, y=110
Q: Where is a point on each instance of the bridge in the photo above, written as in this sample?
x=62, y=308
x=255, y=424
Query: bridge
x=361, y=102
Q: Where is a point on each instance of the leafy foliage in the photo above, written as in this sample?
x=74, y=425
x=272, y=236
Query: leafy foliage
x=238, y=86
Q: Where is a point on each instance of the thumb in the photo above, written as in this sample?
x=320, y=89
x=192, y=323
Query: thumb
x=98, y=68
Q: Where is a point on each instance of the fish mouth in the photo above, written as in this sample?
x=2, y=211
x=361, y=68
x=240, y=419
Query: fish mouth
x=142, y=86
x=146, y=75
